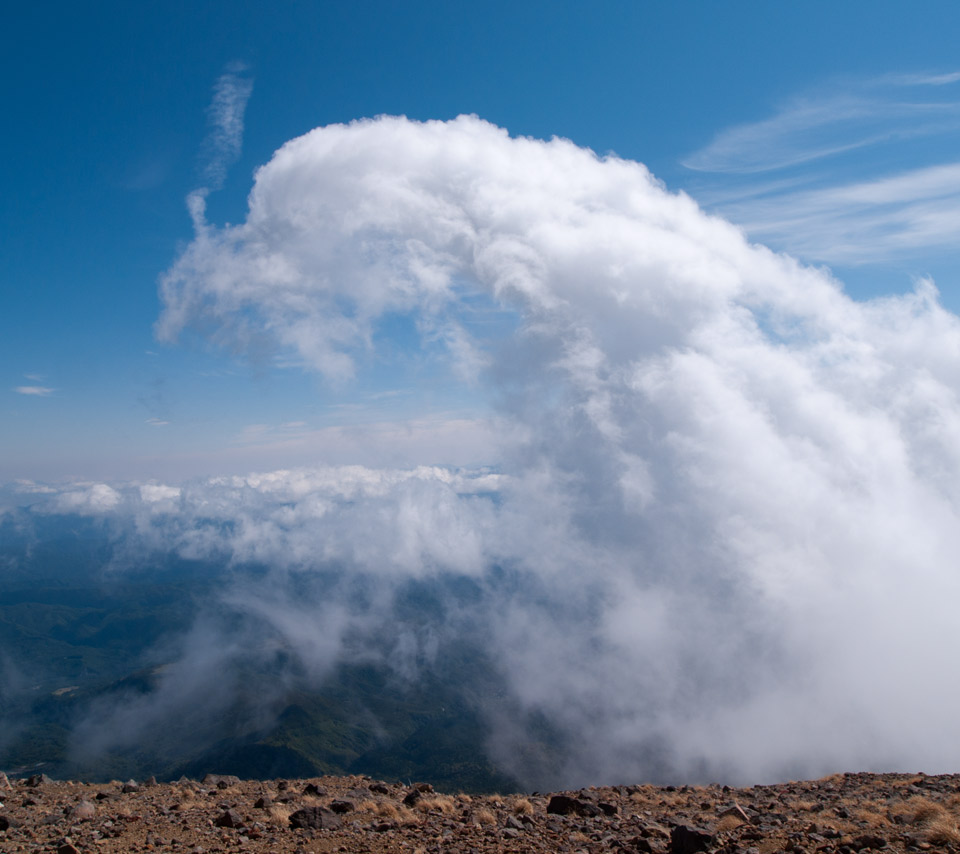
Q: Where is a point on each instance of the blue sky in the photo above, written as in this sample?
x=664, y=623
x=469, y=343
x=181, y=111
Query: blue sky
x=828, y=130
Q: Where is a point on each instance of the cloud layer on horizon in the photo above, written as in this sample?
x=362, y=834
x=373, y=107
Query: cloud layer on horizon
x=729, y=493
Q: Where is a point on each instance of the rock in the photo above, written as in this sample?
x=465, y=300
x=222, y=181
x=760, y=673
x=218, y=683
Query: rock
x=221, y=781
x=37, y=780
x=314, y=789
x=412, y=797
x=82, y=811
x=4, y=782
x=737, y=812
x=314, y=818
x=262, y=803
x=608, y=809
x=688, y=840
x=378, y=789
x=565, y=805
x=67, y=848
x=869, y=840
x=341, y=807
x=229, y=818
x=130, y=787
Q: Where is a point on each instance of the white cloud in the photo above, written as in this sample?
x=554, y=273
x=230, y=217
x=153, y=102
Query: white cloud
x=807, y=205
x=862, y=222
x=87, y=500
x=225, y=114
x=223, y=143
x=721, y=480
x=152, y=493
x=34, y=390
x=844, y=116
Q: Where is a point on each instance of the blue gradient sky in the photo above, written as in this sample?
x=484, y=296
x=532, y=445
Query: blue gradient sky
x=828, y=130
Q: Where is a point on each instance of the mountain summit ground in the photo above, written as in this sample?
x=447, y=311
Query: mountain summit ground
x=843, y=813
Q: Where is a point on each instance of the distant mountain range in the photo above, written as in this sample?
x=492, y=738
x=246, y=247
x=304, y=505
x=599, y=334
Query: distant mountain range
x=87, y=649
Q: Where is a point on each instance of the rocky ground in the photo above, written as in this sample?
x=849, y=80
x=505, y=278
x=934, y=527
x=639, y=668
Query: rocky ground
x=843, y=813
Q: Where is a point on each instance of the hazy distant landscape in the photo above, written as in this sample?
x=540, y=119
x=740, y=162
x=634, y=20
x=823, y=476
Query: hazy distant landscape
x=82, y=638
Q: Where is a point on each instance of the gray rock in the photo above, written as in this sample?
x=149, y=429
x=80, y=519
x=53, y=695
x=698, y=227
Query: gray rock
x=869, y=840
x=229, y=818
x=565, y=805
x=314, y=818
x=689, y=840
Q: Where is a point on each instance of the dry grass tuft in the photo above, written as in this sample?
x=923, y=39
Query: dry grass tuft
x=437, y=803
x=918, y=810
x=520, y=805
x=942, y=830
x=485, y=816
x=279, y=814
x=642, y=792
x=938, y=825
x=386, y=809
x=729, y=822
x=672, y=799
x=901, y=783
x=407, y=816
x=871, y=817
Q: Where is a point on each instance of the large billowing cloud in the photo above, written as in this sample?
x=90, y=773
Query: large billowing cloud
x=730, y=493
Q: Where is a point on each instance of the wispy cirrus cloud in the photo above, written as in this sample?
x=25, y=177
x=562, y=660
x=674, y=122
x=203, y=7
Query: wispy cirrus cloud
x=222, y=145
x=836, y=120
x=225, y=114
x=34, y=390
x=859, y=172
x=862, y=222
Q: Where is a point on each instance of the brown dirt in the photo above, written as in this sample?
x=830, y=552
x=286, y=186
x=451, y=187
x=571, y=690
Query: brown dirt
x=843, y=813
